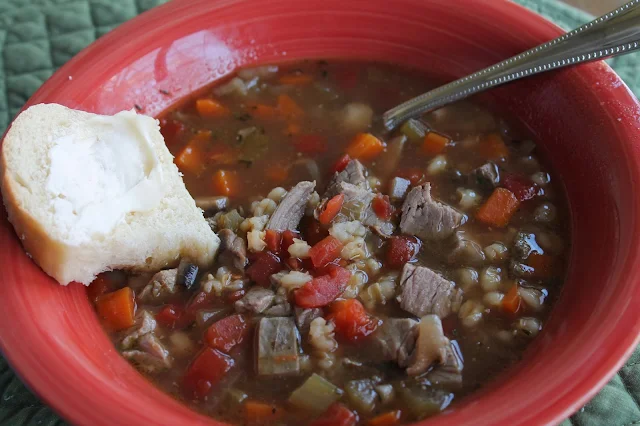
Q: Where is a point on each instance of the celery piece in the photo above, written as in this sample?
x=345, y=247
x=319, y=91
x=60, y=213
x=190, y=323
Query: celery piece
x=424, y=401
x=413, y=129
x=235, y=397
x=230, y=220
x=315, y=395
x=361, y=395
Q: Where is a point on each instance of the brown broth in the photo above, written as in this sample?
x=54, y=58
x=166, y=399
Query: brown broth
x=487, y=348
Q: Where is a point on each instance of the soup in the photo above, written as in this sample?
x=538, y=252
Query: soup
x=363, y=278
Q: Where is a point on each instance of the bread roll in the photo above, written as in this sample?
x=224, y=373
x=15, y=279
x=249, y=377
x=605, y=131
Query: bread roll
x=88, y=193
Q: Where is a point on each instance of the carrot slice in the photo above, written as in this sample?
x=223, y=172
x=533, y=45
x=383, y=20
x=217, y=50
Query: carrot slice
x=211, y=108
x=498, y=208
x=542, y=265
x=277, y=172
x=493, y=147
x=288, y=107
x=331, y=209
x=262, y=111
x=365, y=146
x=259, y=413
x=225, y=182
x=293, y=129
x=296, y=79
x=511, y=301
x=117, y=309
x=389, y=418
x=190, y=159
x=434, y=143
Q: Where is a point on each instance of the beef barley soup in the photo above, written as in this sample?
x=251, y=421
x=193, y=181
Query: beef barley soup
x=361, y=280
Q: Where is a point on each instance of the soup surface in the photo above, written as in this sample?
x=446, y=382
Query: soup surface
x=363, y=278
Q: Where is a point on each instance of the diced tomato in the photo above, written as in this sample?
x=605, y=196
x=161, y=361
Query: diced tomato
x=235, y=296
x=523, y=188
x=199, y=301
x=227, y=333
x=341, y=164
x=264, y=265
x=332, y=209
x=169, y=315
x=336, y=415
x=205, y=371
x=352, y=320
x=414, y=175
x=310, y=144
x=170, y=130
x=400, y=250
x=294, y=263
x=326, y=251
x=322, y=290
x=287, y=240
x=98, y=287
x=313, y=231
x=382, y=207
x=273, y=240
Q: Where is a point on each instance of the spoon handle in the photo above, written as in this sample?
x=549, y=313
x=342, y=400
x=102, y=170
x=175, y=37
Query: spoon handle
x=613, y=34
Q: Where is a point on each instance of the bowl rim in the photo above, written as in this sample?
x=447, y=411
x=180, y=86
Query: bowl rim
x=137, y=29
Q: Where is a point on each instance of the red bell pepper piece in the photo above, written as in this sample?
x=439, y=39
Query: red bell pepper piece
x=341, y=164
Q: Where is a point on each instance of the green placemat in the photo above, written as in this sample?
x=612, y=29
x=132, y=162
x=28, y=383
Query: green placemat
x=38, y=36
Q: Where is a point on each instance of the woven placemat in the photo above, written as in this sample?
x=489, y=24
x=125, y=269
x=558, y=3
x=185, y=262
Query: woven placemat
x=38, y=36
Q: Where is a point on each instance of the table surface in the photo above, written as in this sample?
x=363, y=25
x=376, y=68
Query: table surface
x=596, y=7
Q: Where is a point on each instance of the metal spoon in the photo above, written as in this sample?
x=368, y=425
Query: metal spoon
x=613, y=34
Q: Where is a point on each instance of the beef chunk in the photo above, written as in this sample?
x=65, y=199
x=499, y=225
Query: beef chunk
x=396, y=339
x=305, y=316
x=352, y=174
x=233, y=249
x=151, y=355
x=431, y=345
x=161, y=285
x=281, y=306
x=277, y=347
x=291, y=209
x=426, y=292
x=212, y=205
x=486, y=176
x=145, y=323
x=465, y=251
x=257, y=300
x=427, y=218
x=449, y=372
x=398, y=188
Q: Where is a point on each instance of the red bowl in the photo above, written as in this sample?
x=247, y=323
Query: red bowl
x=585, y=119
